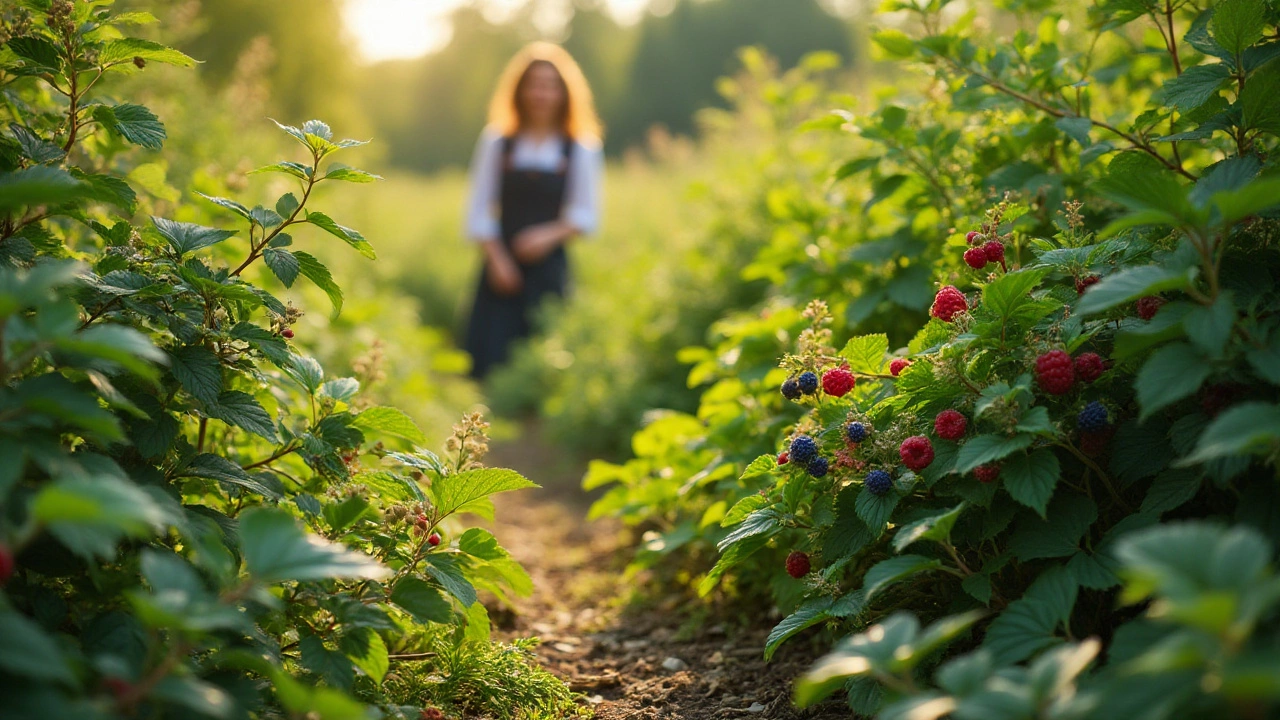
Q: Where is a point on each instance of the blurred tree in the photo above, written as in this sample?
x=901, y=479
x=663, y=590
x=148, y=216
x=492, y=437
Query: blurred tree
x=311, y=66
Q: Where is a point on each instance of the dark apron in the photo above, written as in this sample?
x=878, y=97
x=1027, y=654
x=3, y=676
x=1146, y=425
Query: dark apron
x=528, y=197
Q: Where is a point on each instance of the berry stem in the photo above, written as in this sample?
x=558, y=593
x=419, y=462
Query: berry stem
x=1102, y=475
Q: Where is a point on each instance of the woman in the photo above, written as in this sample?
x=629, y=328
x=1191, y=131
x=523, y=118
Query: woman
x=535, y=185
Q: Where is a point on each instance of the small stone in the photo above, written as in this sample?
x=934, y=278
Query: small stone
x=674, y=664
x=595, y=699
x=716, y=658
x=756, y=708
x=565, y=647
x=634, y=644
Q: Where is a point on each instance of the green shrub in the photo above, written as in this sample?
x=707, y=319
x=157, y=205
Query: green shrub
x=194, y=518
x=1115, y=369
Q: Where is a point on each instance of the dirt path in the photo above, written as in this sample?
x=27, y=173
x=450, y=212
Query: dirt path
x=631, y=662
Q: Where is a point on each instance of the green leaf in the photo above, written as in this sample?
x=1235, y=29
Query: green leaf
x=984, y=449
x=1260, y=195
x=39, y=54
x=453, y=491
x=188, y=237
x=1058, y=534
x=39, y=185
x=332, y=666
x=1011, y=291
x=390, y=421
x=27, y=652
x=126, y=49
x=91, y=515
x=283, y=264
x=447, y=571
x=342, y=390
x=894, y=570
x=1209, y=328
x=242, y=410
x=743, y=508
x=866, y=353
x=109, y=189
x=895, y=43
x=760, y=522
x=298, y=170
x=1031, y=478
x=1076, y=128
x=1138, y=182
x=1171, y=373
x=806, y=616
x=307, y=371
x=216, y=467
x=935, y=527
x=1248, y=428
x=340, y=516
x=342, y=172
x=276, y=549
x=229, y=204
x=424, y=602
x=1132, y=283
x=1195, y=86
x=351, y=237
x=366, y=649
x=875, y=510
x=1237, y=24
x=1028, y=624
x=134, y=123
x=316, y=272
x=762, y=465
x=1171, y=490
x=1260, y=98
x=199, y=372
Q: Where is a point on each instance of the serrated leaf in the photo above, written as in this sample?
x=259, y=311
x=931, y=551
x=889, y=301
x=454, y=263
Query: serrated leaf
x=1195, y=86
x=227, y=203
x=298, y=170
x=39, y=185
x=875, y=510
x=126, y=49
x=762, y=465
x=446, y=570
x=1028, y=624
x=188, y=237
x=935, y=527
x=1252, y=427
x=423, y=601
x=391, y=421
x=1260, y=97
x=866, y=353
x=364, y=647
x=342, y=390
x=283, y=264
x=276, y=548
x=134, y=123
x=348, y=174
x=216, y=467
x=454, y=491
x=27, y=652
x=1132, y=283
x=198, y=370
x=1172, y=373
x=761, y=522
x=1058, y=534
x=349, y=236
x=1031, y=478
x=316, y=272
x=242, y=410
x=985, y=449
x=1237, y=24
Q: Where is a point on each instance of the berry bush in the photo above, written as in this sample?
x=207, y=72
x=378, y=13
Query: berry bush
x=1078, y=417
x=195, y=519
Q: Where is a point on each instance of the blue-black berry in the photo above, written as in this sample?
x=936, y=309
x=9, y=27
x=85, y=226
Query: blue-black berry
x=856, y=432
x=808, y=381
x=1093, y=418
x=879, y=482
x=791, y=389
x=818, y=466
x=803, y=450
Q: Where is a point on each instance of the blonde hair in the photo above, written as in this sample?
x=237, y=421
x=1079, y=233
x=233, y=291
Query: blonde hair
x=580, y=121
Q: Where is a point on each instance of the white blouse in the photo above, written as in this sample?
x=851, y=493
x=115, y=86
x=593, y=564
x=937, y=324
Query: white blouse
x=582, y=191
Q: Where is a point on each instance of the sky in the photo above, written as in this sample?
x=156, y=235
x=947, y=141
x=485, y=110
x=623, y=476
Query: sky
x=394, y=29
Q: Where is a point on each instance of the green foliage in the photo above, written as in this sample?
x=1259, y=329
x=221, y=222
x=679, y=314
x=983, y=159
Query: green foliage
x=195, y=519
x=1136, y=207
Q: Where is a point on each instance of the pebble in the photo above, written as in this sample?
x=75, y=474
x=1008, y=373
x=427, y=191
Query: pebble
x=716, y=658
x=595, y=699
x=756, y=708
x=674, y=664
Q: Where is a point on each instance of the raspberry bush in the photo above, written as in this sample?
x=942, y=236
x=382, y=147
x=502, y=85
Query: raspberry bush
x=196, y=520
x=1113, y=352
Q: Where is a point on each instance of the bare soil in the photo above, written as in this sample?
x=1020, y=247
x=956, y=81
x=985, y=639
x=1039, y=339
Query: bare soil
x=631, y=658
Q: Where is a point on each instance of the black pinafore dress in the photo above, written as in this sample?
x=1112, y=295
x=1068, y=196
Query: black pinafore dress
x=527, y=198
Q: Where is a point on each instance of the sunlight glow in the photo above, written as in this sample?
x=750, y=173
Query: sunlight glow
x=399, y=29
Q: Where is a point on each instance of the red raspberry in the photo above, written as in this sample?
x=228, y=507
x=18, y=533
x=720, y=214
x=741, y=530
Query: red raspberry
x=432, y=714
x=950, y=425
x=898, y=365
x=784, y=457
x=987, y=473
x=837, y=382
x=287, y=333
x=421, y=521
x=916, y=452
x=973, y=236
x=994, y=250
x=976, y=258
x=7, y=564
x=1055, y=372
x=1094, y=444
x=1083, y=283
x=948, y=303
x=797, y=564
x=1090, y=366
x=433, y=539
x=1148, y=306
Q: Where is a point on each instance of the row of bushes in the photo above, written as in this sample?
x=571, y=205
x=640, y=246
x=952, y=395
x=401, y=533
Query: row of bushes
x=1068, y=472
x=196, y=519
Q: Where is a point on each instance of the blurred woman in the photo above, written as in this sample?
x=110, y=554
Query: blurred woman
x=535, y=185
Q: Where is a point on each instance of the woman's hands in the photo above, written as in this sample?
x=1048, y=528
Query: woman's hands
x=501, y=269
x=537, y=241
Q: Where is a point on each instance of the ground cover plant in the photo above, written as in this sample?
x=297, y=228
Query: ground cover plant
x=195, y=518
x=1032, y=416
